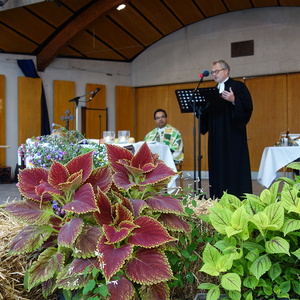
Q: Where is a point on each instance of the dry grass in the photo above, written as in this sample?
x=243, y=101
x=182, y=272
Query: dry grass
x=13, y=267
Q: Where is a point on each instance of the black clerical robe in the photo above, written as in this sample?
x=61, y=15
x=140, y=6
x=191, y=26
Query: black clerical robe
x=228, y=156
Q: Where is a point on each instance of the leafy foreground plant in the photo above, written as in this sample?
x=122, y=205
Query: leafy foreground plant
x=99, y=233
x=257, y=255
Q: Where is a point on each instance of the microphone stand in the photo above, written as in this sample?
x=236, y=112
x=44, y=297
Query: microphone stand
x=77, y=100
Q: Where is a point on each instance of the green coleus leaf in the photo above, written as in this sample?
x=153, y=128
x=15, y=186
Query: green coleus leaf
x=121, y=289
x=165, y=204
x=48, y=287
x=290, y=199
x=30, y=212
x=275, y=213
x=210, y=254
x=224, y=263
x=149, y=234
x=275, y=271
x=220, y=218
x=45, y=267
x=260, y=266
x=112, y=258
x=231, y=282
x=290, y=225
x=173, y=222
x=278, y=245
x=155, y=291
x=69, y=232
x=148, y=266
x=250, y=282
x=213, y=293
x=86, y=242
x=210, y=269
x=30, y=238
x=84, y=201
x=297, y=253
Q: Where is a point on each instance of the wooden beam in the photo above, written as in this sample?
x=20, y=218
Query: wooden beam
x=51, y=50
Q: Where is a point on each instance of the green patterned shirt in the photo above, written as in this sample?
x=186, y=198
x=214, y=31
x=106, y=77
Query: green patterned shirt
x=169, y=136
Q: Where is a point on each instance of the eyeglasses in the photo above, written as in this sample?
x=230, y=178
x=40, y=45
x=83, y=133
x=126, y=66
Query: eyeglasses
x=216, y=72
x=162, y=117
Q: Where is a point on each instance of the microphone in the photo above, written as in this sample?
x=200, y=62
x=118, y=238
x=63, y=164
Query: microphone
x=204, y=74
x=94, y=93
x=74, y=99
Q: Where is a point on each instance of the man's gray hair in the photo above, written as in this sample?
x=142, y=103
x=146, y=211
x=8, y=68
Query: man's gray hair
x=223, y=64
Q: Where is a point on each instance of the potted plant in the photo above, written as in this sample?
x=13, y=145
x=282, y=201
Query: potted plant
x=99, y=233
x=257, y=252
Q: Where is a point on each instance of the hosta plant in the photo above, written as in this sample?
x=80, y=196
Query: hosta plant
x=257, y=254
x=99, y=233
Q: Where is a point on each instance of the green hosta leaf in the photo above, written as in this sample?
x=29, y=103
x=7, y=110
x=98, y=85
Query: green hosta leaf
x=48, y=263
x=148, y=266
x=149, y=234
x=210, y=255
x=260, y=266
x=231, y=282
x=121, y=289
x=290, y=225
x=278, y=245
x=250, y=282
x=220, y=218
x=275, y=213
x=69, y=232
x=274, y=271
x=30, y=238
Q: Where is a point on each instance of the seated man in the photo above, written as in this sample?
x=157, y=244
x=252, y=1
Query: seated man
x=166, y=134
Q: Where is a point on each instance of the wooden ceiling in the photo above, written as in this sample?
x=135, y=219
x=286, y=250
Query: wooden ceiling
x=95, y=29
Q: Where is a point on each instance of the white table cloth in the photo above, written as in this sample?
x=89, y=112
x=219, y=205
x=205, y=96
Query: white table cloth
x=273, y=159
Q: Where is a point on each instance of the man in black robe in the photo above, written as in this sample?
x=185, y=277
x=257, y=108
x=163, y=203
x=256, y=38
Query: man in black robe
x=228, y=156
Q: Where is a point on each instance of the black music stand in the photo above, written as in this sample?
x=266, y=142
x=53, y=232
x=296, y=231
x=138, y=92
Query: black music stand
x=196, y=101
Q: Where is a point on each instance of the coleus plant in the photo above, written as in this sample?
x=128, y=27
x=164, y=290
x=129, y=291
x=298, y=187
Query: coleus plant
x=113, y=219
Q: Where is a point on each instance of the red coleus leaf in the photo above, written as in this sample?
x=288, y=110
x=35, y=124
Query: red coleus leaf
x=149, y=234
x=30, y=212
x=122, y=214
x=161, y=172
x=173, y=222
x=60, y=178
x=82, y=162
x=118, y=234
x=159, y=291
x=148, y=266
x=123, y=181
x=69, y=232
x=101, y=178
x=84, y=200
x=115, y=154
x=104, y=206
x=121, y=289
x=86, y=242
x=112, y=259
x=145, y=159
x=165, y=204
x=72, y=276
x=48, y=263
x=33, y=184
x=138, y=206
x=30, y=238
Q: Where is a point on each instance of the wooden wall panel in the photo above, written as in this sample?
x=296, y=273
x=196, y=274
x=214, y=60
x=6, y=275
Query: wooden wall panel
x=94, y=116
x=125, y=109
x=63, y=91
x=2, y=121
x=293, y=103
x=29, y=108
x=269, y=117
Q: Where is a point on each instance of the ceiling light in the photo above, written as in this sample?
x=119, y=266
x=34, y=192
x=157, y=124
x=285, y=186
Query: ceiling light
x=121, y=6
